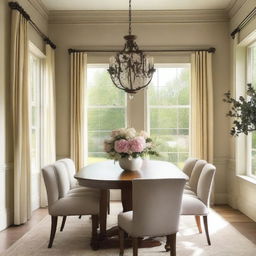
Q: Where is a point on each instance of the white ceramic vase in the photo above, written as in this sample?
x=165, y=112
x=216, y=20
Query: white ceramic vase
x=133, y=164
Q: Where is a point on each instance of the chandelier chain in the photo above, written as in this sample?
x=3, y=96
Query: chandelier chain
x=130, y=18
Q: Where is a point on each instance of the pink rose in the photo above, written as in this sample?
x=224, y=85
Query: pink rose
x=121, y=146
x=137, y=144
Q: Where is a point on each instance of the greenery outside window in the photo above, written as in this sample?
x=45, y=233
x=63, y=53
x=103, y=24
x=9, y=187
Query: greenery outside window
x=106, y=110
x=251, y=138
x=169, y=111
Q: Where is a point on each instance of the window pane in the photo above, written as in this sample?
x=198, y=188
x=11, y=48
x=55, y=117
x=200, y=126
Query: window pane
x=105, y=111
x=169, y=109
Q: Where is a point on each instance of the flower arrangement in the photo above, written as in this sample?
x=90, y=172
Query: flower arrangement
x=127, y=143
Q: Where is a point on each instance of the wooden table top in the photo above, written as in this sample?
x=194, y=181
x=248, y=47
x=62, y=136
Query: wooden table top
x=109, y=175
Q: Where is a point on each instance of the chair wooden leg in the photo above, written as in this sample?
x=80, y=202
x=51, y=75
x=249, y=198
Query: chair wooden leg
x=94, y=240
x=172, y=238
x=53, y=230
x=121, y=239
x=108, y=202
x=198, y=223
x=135, y=246
x=63, y=223
x=80, y=216
x=206, y=229
x=167, y=245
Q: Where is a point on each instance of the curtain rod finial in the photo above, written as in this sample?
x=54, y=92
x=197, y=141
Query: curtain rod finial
x=212, y=50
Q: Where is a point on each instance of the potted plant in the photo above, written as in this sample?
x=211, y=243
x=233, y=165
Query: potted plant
x=243, y=111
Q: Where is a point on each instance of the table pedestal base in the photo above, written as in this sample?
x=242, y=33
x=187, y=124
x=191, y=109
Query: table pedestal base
x=111, y=240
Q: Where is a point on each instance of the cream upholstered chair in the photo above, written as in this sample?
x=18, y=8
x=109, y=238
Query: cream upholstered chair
x=189, y=165
x=191, y=187
x=70, y=170
x=62, y=201
x=198, y=204
x=156, y=210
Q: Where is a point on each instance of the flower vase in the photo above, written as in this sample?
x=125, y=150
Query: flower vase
x=133, y=164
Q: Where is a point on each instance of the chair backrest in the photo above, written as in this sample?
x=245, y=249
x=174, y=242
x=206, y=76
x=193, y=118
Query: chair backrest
x=195, y=174
x=156, y=206
x=205, y=183
x=62, y=177
x=70, y=165
x=189, y=165
x=51, y=184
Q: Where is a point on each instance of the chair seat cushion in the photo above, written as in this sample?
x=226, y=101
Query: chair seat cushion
x=189, y=192
x=187, y=186
x=125, y=221
x=80, y=190
x=76, y=204
x=192, y=205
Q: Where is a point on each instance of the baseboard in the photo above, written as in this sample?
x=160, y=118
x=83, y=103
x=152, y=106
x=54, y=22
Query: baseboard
x=115, y=194
x=220, y=198
x=6, y=218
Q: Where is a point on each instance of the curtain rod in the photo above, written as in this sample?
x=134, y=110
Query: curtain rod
x=210, y=50
x=16, y=6
x=243, y=23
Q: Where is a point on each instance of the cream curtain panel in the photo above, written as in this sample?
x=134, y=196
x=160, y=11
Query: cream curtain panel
x=49, y=117
x=78, y=62
x=20, y=117
x=202, y=106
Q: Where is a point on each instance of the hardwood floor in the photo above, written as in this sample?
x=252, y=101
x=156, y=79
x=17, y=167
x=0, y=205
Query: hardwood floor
x=239, y=221
x=14, y=233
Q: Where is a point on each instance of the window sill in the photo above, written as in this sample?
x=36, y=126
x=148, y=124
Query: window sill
x=247, y=178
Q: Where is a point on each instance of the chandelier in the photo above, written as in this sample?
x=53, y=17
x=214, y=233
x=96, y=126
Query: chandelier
x=131, y=70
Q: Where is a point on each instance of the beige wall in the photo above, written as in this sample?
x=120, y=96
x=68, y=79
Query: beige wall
x=241, y=189
x=169, y=35
x=6, y=150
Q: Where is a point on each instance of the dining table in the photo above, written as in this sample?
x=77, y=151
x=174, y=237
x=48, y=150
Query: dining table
x=108, y=175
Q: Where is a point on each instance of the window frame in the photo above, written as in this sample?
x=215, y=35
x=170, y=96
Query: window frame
x=249, y=136
x=36, y=172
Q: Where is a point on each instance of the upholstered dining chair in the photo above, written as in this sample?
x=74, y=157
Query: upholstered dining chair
x=189, y=165
x=198, y=204
x=62, y=201
x=156, y=210
x=68, y=168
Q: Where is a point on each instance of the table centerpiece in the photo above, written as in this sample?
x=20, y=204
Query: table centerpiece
x=129, y=147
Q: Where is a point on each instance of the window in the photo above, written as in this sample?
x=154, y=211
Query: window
x=251, y=78
x=106, y=110
x=35, y=81
x=169, y=107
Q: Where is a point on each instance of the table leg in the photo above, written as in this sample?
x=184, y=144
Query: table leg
x=103, y=212
x=126, y=197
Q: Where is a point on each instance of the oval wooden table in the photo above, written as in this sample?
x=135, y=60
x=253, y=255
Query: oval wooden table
x=108, y=175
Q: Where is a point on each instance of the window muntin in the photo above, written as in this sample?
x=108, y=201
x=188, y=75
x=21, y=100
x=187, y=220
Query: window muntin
x=106, y=110
x=169, y=111
x=251, y=138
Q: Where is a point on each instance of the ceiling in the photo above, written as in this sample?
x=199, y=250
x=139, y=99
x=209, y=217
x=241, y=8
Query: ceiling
x=136, y=4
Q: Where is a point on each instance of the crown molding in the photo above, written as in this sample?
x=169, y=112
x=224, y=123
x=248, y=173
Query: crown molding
x=40, y=7
x=165, y=16
x=234, y=7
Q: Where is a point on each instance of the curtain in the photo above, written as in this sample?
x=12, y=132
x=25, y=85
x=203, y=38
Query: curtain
x=202, y=106
x=20, y=118
x=78, y=73
x=49, y=117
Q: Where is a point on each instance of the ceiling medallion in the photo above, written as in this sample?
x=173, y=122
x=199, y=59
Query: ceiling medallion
x=131, y=70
